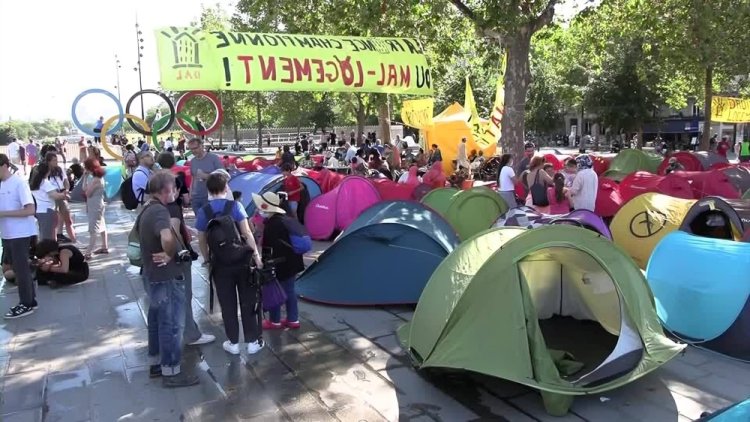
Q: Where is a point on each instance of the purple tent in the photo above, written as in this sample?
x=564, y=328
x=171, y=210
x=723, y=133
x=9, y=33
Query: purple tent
x=530, y=218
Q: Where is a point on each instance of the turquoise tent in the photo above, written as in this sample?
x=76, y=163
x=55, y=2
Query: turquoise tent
x=385, y=257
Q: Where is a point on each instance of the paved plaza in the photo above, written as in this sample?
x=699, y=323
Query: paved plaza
x=82, y=357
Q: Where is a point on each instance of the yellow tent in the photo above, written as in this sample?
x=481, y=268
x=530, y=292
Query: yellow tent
x=447, y=130
x=644, y=220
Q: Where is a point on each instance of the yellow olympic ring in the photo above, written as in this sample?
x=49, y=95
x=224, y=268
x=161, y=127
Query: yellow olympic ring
x=109, y=122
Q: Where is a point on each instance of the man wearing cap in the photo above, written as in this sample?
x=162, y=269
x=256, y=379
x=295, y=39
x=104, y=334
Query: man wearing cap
x=141, y=175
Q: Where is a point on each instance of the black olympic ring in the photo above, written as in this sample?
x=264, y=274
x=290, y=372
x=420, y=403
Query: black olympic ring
x=172, y=112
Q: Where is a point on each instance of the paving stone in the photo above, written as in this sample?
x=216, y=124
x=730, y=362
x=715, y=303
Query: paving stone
x=33, y=415
x=531, y=404
x=366, y=350
x=23, y=391
x=68, y=396
x=417, y=396
x=681, y=369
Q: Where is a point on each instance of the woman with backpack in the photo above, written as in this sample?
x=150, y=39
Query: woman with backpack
x=229, y=247
x=277, y=237
x=538, y=181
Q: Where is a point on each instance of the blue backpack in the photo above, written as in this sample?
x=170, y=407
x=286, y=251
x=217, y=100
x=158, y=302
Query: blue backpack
x=299, y=238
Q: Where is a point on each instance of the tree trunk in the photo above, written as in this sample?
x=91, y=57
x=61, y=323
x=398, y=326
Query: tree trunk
x=236, y=128
x=384, y=119
x=706, y=137
x=517, y=80
x=361, y=116
x=259, y=115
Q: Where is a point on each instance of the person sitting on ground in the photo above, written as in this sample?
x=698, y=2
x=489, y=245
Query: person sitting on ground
x=435, y=176
x=410, y=177
x=60, y=265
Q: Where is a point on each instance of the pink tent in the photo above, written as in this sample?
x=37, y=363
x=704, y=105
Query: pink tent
x=392, y=191
x=337, y=209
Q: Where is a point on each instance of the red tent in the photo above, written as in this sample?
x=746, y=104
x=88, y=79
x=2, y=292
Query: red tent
x=601, y=164
x=642, y=182
x=608, y=198
x=392, y=191
x=709, y=183
x=256, y=164
x=689, y=161
x=558, y=161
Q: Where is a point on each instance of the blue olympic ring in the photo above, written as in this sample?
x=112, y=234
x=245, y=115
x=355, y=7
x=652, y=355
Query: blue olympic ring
x=90, y=132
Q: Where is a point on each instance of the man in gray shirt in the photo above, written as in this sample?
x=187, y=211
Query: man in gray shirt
x=201, y=165
x=165, y=283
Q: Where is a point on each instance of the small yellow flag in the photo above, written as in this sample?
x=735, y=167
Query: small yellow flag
x=490, y=134
x=470, y=105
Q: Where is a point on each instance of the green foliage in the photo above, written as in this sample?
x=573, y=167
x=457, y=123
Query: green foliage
x=47, y=128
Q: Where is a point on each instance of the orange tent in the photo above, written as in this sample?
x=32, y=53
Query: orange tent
x=447, y=130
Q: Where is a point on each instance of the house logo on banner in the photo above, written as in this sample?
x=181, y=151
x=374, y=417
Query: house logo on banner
x=192, y=59
x=186, y=48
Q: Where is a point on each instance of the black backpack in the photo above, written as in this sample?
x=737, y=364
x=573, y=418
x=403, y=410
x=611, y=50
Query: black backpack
x=127, y=194
x=225, y=245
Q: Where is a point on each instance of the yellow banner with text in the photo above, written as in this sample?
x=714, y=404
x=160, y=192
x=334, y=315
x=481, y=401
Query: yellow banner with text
x=192, y=59
x=418, y=113
x=730, y=110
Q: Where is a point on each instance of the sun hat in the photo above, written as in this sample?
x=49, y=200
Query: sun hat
x=268, y=202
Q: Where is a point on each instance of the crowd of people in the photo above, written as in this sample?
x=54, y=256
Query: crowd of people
x=544, y=189
x=242, y=252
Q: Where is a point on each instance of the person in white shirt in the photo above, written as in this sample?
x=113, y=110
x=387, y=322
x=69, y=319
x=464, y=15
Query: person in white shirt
x=462, y=160
x=168, y=144
x=506, y=180
x=17, y=228
x=351, y=152
x=585, y=185
x=45, y=194
x=13, y=152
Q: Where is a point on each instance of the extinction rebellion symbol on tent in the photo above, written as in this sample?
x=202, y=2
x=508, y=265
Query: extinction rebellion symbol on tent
x=647, y=223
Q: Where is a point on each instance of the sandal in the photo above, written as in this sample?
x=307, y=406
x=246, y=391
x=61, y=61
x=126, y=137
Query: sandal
x=101, y=251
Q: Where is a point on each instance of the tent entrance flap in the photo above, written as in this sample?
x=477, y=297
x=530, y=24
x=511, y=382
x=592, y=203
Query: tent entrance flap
x=580, y=312
x=714, y=224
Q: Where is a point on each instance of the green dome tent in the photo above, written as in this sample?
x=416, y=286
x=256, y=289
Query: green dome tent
x=468, y=211
x=631, y=160
x=519, y=304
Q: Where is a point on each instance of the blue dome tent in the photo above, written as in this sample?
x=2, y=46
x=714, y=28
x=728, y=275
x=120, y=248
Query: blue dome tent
x=385, y=257
x=701, y=291
x=256, y=182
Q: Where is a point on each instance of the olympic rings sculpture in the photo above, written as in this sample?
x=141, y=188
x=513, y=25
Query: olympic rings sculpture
x=140, y=126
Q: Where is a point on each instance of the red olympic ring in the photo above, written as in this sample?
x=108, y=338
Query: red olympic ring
x=217, y=106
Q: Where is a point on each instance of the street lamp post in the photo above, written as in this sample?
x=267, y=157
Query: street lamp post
x=139, y=40
x=117, y=70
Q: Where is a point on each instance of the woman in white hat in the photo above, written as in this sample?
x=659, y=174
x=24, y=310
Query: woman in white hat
x=276, y=237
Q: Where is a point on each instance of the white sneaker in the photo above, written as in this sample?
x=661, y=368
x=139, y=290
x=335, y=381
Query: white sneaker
x=233, y=348
x=205, y=339
x=254, y=347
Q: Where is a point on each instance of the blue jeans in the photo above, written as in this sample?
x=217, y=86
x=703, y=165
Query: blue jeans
x=292, y=313
x=166, y=323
